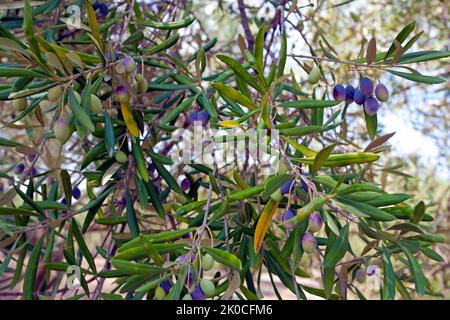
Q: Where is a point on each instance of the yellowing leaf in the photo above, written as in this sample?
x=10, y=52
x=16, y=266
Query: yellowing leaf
x=263, y=223
x=129, y=120
x=229, y=124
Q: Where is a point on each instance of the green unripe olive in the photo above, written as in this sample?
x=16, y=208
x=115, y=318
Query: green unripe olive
x=96, y=104
x=208, y=288
x=187, y=297
x=314, y=75
x=62, y=130
x=120, y=68
x=277, y=195
x=121, y=157
x=361, y=275
x=160, y=294
x=46, y=105
x=20, y=104
x=54, y=93
x=142, y=84
x=207, y=262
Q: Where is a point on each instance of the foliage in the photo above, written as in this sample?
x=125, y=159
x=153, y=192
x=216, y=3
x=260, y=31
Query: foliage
x=95, y=110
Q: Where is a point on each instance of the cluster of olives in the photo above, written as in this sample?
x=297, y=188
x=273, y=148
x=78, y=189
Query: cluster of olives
x=201, y=291
x=364, y=95
x=315, y=222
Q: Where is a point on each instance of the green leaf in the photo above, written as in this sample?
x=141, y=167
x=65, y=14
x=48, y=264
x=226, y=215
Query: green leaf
x=131, y=216
x=371, y=124
x=234, y=95
x=4, y=211
x=67, y=186
x=110, y=138
x=374, y=213
x=321, y=157
x=9, y=143
x=337, y=249
x=82, y=245
x=154, y=199
x=240, y=72
x=401, y=36
x=309, y=104
x=224, y=257
x=418, y=214
x=30, y=273
x=300, y=131
x=172, y=115
x=143, y=269
x=273, y=184
x=417, y=77
x=258, y=51
x=419, y=277
x=283, y=55
x=29, y=201
x=10, y=72
x=28, y=29
x=389, y=277
x=79, y=112
x=167, y=25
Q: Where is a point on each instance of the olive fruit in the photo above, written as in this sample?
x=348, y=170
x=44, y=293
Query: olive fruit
x=121, y=157
x=360, y=275
x=20, y=104
x=129, y=64
x=96, y=104
x=54, y=93
x=309, y=242
x=197, y=294
x=122, y=95
x=62, y=130
x=371, y=106
x=142, y=84
x=315, y=222
x=381, y=92
x=207, y=262
x=366, y=86
x=19, y=168
x=349, y=94
x=76, y=193
x=187, y=297
x=287, y=186
x=208, y=287
x=288, y=214
x=277, y=195
x=160, y=294
x=339, y=92
x=359, y=97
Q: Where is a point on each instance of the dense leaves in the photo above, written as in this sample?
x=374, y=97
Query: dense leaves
x=101, y=107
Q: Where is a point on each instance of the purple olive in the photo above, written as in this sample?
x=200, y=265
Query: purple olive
x=76, y=193
x=360, y=275
x=288, y=214
x=349, y=94
x=371, y=106
x=103, y=9
x=309, y=242
x=366, y=86
x=116, y=56
x=166, y=285
x=287, y=186
x=359, y=97
x=199, y=116
x=95, y=5
x=304, y=185
x=64, y=201
x=198, y=294
x=185, y=184
x=129, y=64
x=339, y=92
x=381, y=92
x=122, y=94
x=315, y=222
x=19, y=168
x=203, y=117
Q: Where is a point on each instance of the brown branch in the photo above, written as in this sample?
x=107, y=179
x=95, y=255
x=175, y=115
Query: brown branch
x=245, y=25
